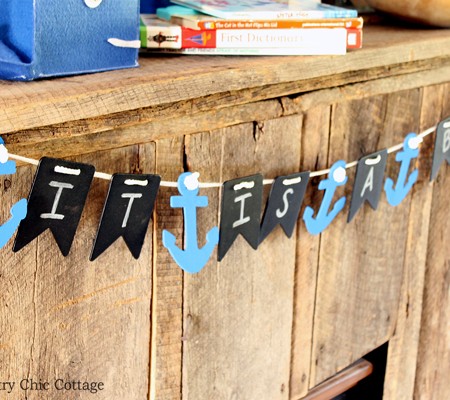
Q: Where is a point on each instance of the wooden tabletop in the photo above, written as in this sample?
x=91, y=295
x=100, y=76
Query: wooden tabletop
x=162, y=80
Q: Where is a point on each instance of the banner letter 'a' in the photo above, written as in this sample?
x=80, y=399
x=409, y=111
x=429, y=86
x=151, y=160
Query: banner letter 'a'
x=368, y=182
x=56, y=202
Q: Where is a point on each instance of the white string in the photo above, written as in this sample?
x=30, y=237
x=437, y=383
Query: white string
x=23, y=159
x=102, y=175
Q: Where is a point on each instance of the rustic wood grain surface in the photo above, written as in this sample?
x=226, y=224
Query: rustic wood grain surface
x=266, y=324
x=167, y=301
x=314, y=155
x=433, y=363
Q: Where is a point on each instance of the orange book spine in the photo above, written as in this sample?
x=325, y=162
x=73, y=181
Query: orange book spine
x=354, y=38
x=356, y=23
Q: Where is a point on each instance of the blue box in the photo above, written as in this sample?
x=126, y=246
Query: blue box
x=150, y=6
x=42, y=38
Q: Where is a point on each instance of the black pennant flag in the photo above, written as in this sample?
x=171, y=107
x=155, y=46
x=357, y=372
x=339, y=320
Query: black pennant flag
x=56, y=202
x=441, y=146
x=241, y=210
x=368, y=182
x=127, y=212
x=285, y=201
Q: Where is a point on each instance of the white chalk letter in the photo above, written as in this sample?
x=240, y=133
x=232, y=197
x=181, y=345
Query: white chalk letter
x=242, y=220
x=281, y=214
x=368, y=183
x=446, y=144
x=130, y=196
x=61, y=186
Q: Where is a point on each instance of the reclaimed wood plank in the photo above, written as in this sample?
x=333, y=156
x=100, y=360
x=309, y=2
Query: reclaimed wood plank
x=361, y=263
x=17, y=285
x=147, y=165
x=35, y=145
x=238, y=312
x=314, y=155
x=433, y=363
x=361, y=90
x=167, y=301
x=387, y=79
x=177, y=119
x=341, y=382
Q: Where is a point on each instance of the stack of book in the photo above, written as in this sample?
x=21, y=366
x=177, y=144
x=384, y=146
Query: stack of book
x=252, y=27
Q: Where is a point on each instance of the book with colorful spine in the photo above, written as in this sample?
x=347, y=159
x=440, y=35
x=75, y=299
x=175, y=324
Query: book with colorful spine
x=159, y=34
x=267, y=9
x=203, y=22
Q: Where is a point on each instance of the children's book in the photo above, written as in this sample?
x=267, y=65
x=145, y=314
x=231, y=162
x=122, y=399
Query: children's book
x=272, y=41
x=246, y=51
x=268, y=9
x=201, y=21
x=157, y=33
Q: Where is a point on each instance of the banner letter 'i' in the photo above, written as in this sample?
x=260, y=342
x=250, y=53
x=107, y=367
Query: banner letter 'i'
x=56, y=202
x=241, y=210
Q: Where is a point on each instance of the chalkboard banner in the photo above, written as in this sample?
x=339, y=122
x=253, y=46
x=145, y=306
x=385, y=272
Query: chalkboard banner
x=127, y=212
x=283, y=206
x=56, y=202
x=441, y=147
x=368, y=182
x=241, y=209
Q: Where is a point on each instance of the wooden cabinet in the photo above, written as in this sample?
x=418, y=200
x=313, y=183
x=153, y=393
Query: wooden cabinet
x=266, y=324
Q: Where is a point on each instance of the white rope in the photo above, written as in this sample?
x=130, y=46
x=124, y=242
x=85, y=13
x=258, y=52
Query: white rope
x=23, y=159
x=102, y=175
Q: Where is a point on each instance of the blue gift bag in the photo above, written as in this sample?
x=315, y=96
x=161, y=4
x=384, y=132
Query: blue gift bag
x=41, y=38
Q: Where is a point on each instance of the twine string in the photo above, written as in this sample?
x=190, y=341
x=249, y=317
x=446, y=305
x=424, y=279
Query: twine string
x=105, y=176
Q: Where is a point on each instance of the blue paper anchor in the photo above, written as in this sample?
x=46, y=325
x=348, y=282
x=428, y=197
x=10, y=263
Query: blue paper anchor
x=336, y=177
x=18, y=211
x=192, y=259
x=410, y=151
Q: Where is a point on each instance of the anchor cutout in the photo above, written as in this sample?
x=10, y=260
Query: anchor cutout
x=19, y=210
x=336, y=177
x=410, y=151
x=192, y=259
